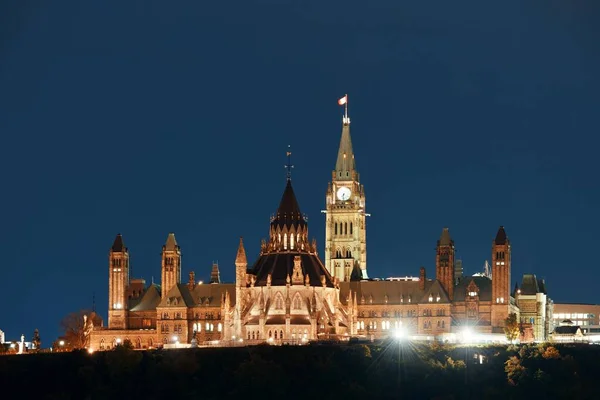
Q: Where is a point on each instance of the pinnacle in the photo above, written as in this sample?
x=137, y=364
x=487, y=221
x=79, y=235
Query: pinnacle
x=445, y=239
x=241, y=254
x=118, y=244
x=171, y=243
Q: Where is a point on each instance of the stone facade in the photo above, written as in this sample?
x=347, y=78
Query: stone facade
x=289, y=296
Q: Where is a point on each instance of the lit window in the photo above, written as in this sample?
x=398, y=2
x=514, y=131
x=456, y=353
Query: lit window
x=219, y=327
x=430, y=298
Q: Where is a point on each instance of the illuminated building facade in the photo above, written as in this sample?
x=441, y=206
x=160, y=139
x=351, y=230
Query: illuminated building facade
x=289, y=296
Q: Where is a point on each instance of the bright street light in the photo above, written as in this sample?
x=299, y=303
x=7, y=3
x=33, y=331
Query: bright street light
x=399, y=333
x=467, y=335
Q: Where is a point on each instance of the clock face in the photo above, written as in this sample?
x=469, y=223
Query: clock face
x=343, y=193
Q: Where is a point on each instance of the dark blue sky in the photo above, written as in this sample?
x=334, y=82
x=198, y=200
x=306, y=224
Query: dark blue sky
x=150, y=117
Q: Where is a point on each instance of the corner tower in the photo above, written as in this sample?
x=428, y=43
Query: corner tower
x=345, y=226
x=118, y=280
x=171, y=265
x=444, y=262
x=501, y=266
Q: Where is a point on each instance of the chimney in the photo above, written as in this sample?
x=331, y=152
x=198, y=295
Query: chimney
x=422, y=278
x=192, y=281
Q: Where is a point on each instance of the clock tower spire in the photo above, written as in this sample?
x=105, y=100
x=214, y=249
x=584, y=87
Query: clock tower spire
x=345, y=226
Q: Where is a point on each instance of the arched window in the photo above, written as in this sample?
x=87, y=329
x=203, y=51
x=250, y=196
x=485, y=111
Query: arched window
x=275, y=334
x=292, y=241
x=253, y=337
x=270, y=334
x=278, y=302
x=101, y=344
x=285, y=241
x=281, y=334
x=338, y=253
x=345, y=228
x=336, y=229
x=351, y=228
x=297, y=302
x=248, y=335
x=220, y=327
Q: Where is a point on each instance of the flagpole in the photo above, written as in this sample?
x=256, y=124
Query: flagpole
x=346, y=107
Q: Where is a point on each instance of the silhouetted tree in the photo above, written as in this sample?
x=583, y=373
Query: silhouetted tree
x=77, y=326
x=37, y=341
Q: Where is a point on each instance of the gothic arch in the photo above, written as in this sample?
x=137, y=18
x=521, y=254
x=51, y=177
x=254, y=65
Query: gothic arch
x=297, y=302
x=279, y=303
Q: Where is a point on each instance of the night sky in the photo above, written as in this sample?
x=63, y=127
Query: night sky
x=150, y=117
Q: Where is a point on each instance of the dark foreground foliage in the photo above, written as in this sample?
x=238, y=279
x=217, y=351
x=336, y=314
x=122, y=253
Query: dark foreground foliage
x=384, y=371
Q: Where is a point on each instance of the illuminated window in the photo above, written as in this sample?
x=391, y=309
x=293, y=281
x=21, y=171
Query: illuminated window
x=285, y=241
x=146, y=323
x=292, y=241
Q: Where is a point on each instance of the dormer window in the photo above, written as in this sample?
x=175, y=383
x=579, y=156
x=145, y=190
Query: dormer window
x=437, y=298
x=430, y=298
x=472, y=294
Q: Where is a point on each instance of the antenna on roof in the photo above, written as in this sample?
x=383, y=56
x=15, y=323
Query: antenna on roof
x=289, y=165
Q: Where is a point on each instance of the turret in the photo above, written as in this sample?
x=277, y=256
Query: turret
x=501, y=265
x=118, y=280
x=444, y=262
x=171, y=265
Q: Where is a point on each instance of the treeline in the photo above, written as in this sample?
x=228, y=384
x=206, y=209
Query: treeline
x=383, y=371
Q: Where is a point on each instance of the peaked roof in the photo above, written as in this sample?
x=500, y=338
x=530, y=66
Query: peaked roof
x=181, y=294
x=500, y=236
x=171, y=243
x=241, y=254
x=280, y=265
x=445, y=239
x=435, y=289
x=118, y=244
x=345, y=163
x=149, y=300
x=288, y=213
x=529, y=285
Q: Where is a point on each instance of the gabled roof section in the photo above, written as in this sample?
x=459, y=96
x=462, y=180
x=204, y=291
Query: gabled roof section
x=383, y=292
x=150, y=300
x=171, y=243
x=345, y=164
x=434, y=289
x=483, y=283
x=178, y=296
x=118, y=245
x=212, y=295
x=445, y=239
x=529, y=285
x=288, y=213
x=500, y=236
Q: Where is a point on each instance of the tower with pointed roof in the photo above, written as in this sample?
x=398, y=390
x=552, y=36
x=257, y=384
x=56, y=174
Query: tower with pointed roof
x=171, y=265
x=444, y=262
x=345, y=226
x=118, y=280
x=501, y=266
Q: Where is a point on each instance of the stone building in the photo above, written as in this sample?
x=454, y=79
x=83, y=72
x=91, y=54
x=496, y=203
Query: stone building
x=289, y=296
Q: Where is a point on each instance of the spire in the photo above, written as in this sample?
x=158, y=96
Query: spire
x=214, y=274
x=500, y=236
x=118, y=244
x=445, y=239
x=171, y=243
x=345, y=165
x=241, y=259
x=288, y=213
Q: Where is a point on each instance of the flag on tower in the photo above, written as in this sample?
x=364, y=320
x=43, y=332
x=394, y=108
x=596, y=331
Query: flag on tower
x=343, y=100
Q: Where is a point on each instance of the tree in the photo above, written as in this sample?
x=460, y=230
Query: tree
x=511, y=327
x=37, y=341
x=77, y=327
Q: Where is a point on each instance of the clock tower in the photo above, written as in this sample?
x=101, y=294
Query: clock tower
x=345, y=227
